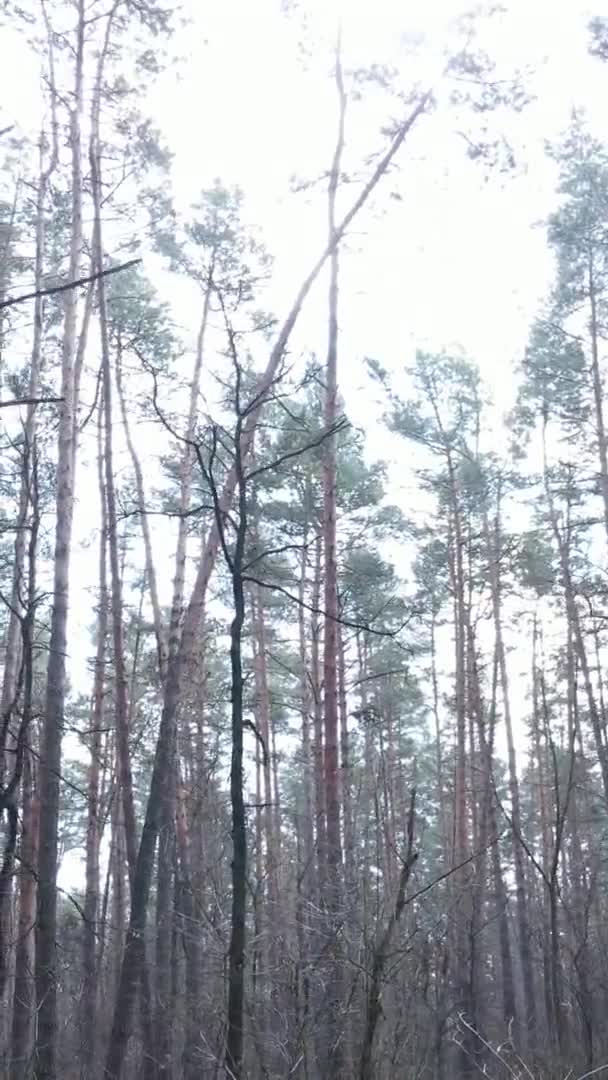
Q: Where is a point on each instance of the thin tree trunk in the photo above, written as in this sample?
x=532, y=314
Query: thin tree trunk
x=264, y=726
x=236, y=951
x=306, y=881
x=443, y=817
x=89, y=1026
x=13, y=633
x=575, y=622
x=598, y=392
x=546, y=839
x=381, y=956
x=50, y=759
x=461, y=879
x=192, y=1059
x=317, y=751
x=152, y=582
x=509, y=999
x=163, y=1014
x=121, y=700
x=24, y=985
x=333, y=1065
x=167, y=836
x=307, y=769
x=345, y=765
x=24, y=989
x=521, y=908
x=186, y=466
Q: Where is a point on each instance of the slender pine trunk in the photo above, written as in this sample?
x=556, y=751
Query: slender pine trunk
x=52, y=732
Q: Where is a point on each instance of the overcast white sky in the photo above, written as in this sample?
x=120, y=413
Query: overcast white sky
x=460, y=259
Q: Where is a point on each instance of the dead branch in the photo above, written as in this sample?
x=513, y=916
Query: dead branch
x=11, y=301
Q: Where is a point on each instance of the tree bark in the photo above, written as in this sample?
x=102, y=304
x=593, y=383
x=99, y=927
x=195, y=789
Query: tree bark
x=50, y=759
x=575, y=622
x=318, y=742
x=236, y=951
x=24, y=773
x=24, y=998
x=381, y=956
x=521, y=908
x=89, y=1027
x=598, y=392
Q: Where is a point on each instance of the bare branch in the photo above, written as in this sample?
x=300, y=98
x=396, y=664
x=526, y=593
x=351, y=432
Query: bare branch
x=30, y=401
x=340, y=425
x=320, y=611
x=53, y=289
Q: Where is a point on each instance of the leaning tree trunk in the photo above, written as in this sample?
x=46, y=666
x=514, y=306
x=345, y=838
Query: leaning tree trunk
x=151, y=576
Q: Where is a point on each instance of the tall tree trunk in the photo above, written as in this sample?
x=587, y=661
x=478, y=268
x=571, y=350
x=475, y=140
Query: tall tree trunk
x=50, y=758
x=272, y=927
x=13, y=634
x=439, y=766
x=573, y=616
x=306, y=880
x=91, y=901
x=264, y=728
x=163, y=1006
x=192, y=1059
x=236, y=951
x=482, y=792
x=24, y=773
x=545, y=826
x=345, y=765
x=598, y=391
x=461, y=879
x=523, y=917
x=334, y=1060
x=24, y=1000
x=167, y=833
x=487, y=741
x=186, y=467
x=381, y=955
x=121, y=699
x=307, y=873
x=317, y=746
